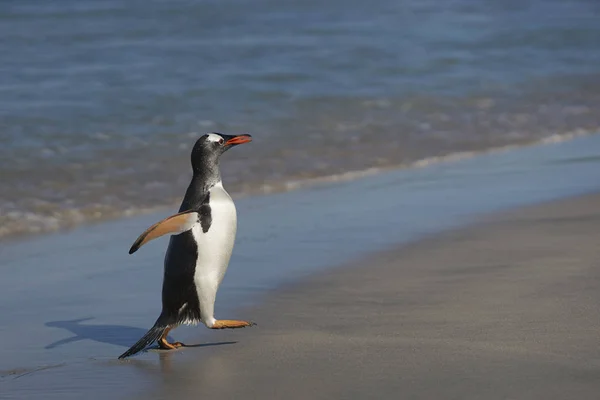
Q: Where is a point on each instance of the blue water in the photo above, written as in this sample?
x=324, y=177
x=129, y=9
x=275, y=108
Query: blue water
x=101, y=101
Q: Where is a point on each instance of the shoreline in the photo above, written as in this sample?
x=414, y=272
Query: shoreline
x=98, y=300
x=287, y=186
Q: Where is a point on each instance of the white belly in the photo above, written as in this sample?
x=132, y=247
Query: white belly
x=214, y=250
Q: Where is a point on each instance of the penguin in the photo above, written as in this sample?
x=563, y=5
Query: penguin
x=203, y=234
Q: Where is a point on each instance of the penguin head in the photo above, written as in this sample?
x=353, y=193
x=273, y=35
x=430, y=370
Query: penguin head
x=209, y=147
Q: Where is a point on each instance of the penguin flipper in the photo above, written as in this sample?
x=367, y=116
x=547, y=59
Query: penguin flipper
x=175, y=224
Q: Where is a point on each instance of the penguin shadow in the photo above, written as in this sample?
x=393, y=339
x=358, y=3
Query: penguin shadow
x=118, y=335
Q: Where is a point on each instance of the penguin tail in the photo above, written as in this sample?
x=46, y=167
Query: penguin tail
x=151, y=336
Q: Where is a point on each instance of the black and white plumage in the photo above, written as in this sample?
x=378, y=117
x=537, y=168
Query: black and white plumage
x=199, y=251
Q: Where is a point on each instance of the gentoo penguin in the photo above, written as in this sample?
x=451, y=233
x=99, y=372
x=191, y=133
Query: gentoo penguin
x=199, y=250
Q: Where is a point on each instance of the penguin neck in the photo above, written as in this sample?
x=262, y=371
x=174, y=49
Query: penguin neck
x=202, y=181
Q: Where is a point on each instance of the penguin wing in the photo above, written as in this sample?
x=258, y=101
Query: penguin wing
x=175, y=224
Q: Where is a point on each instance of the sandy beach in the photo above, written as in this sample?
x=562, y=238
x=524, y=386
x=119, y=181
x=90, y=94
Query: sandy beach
x=359, y=288
x=507, y=309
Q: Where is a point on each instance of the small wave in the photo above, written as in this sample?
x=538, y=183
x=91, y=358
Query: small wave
x=424, y=162
x=19, y=223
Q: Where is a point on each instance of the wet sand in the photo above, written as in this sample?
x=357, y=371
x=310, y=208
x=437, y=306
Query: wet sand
x=506, y=309
x=70, y=303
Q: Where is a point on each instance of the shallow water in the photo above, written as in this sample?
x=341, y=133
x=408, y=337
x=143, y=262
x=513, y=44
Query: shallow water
x=100, y=102
x=70, y=303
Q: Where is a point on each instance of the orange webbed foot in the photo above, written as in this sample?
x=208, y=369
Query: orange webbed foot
x=165, y=345
x=231, y=324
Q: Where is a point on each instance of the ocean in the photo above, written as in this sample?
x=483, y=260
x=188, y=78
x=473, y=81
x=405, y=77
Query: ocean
x=101, y=101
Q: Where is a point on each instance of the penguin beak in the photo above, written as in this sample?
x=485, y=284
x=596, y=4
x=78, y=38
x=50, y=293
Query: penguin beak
x=239, y=139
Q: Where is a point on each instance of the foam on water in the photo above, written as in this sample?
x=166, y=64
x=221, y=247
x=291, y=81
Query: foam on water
x=15, y=223
x=100, y=104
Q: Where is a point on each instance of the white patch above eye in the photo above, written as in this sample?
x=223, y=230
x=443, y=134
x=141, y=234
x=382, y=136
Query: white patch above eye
x=213, y=137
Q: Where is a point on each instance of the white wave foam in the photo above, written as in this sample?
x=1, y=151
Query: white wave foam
x=16, y=223
x=424, y=162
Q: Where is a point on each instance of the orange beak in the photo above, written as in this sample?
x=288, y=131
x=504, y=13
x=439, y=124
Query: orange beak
x=240, y=139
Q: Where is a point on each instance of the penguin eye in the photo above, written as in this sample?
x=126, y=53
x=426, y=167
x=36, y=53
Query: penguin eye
x=221, y=141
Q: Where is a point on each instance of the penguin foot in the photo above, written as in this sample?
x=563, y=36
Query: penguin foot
x=163, y=344
x=231, y=324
